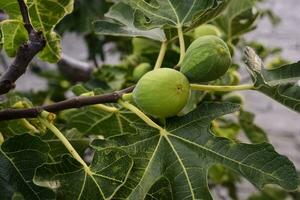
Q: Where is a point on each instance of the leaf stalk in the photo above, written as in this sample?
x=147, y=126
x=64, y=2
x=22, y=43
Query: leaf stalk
x=161, y=56
x=140, y=114
x=221, y=88
x=66, y=143
x=181, y=44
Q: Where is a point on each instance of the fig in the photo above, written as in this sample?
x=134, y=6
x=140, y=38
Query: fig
x=1, y=139
x=206, y=29
x=162, y=93
x=206, y=59
x=140, y=70
x=143, y=46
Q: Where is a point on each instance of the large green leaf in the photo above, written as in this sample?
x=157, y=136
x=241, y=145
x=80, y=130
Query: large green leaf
x=44, y=15
x=238, y=18
x=57, y=148
x=84, y=13
x=173, y=164
x=152, y=18
x=121, y=23
x=280, y=84
x=93, y=121
x=14, y=35
x=172, y=13
x=19, y=157
x=110, y=169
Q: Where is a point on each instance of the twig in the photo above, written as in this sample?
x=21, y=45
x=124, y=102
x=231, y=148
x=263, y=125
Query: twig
x=25, y=15
x=77, y=102
x=25, y=53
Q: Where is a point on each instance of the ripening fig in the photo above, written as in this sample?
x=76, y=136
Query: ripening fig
x=142, y=46
x=206, y=59
x=235, y=78
x=1, y=139
x=140, y=70
x=206, y=29
x=162, y=93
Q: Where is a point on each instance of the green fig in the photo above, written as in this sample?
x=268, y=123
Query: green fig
x=206, y=29
x=140, y=70
x=233, y=98
x=162, y=93
x=142, y=46
x=207, y=58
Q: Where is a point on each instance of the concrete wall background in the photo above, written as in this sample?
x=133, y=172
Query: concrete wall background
x=282, y=124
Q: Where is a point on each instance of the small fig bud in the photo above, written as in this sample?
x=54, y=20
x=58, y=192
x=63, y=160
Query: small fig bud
x=162, y=93
x=140, y=70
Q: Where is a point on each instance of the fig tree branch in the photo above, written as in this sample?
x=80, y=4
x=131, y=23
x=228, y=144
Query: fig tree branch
x=76, y=102
x=25, y=53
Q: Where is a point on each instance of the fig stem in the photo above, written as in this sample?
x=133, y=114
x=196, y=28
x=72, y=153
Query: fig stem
x=181, y=44
x=106, y=108
x=65, y=142
x=221, y=88
x=161, y=56
x=31, y=129
x=127, y=97
x=140, y=114
x=1, y=139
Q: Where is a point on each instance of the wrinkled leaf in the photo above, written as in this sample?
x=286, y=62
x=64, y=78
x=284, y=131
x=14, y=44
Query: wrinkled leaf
x=110, y=169
x=19, y=157
x=82, y=16
x=44, y=16
x=238, y=18
x=121, y=23
x=16, y=127
x=172, y=13
x=94, y=121
x=14, y=34
x=178, y=158
x=152, y=18
x=57, y=149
